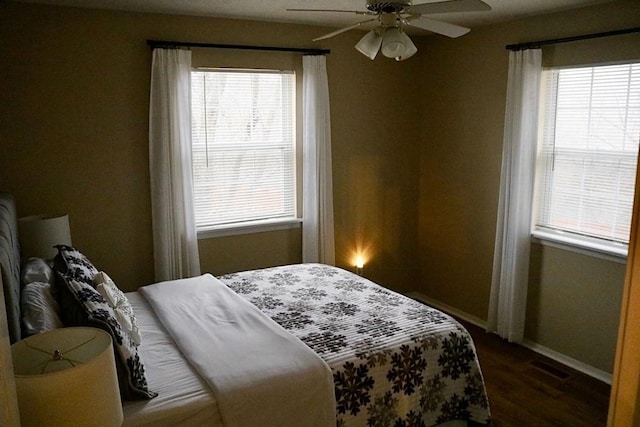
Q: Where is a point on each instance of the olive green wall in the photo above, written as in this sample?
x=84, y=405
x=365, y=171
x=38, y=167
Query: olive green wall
x=574, y=304
x=74, y=136
x=416, y=152
x=461, y=151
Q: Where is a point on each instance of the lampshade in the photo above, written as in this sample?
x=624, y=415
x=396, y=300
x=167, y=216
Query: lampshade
x=39, y=233
x=410, y=50
x=393, y=44
x=370, y=44
x=67, y=377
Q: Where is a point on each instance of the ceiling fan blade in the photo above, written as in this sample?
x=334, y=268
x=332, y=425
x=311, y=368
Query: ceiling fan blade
x=357, y=12
x=444, y=28
x=450, y=6
x=343, y=30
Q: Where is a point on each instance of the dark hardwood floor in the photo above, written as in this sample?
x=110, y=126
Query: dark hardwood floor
x=528, y=389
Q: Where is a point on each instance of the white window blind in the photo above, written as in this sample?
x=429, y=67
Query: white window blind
x=243, y=146
x=589, y=150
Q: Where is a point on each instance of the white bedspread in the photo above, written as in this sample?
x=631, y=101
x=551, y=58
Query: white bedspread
x=260, y=374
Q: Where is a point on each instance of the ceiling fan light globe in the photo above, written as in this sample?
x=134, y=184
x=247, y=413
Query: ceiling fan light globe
x=409, y=51
x=369, y=45
x=393, y=44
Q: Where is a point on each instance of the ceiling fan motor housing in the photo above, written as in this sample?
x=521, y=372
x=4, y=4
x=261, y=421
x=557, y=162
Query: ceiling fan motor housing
x=387, y=6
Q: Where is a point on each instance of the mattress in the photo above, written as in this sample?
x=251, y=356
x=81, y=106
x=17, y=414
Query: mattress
x=184, y=399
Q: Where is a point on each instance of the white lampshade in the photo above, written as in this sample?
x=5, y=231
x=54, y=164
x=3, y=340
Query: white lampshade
x=409, y=51
x=370, y=44
x=39, y=233
x=67, y=377
x=393, y=44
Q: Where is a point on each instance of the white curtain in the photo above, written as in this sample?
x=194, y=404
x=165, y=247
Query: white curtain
x=508, y=301
x=317, y=207
x=175, y=243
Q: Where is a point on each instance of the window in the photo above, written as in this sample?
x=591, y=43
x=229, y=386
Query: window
x=587, y=156
x=243, y=139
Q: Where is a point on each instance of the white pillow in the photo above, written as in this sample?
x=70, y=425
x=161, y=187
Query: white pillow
x=40, y=310
x=120, y=304
x=36, y=270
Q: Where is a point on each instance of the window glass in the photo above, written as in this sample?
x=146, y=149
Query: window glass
x=243, y=146
x=588, y=151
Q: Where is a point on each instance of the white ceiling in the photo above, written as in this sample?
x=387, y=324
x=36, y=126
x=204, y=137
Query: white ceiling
x=275, y=10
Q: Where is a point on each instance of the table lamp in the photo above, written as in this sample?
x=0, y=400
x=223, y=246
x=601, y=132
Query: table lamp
x=67, y=377
x=40, y=233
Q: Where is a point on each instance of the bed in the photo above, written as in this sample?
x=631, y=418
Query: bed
x=360, y=354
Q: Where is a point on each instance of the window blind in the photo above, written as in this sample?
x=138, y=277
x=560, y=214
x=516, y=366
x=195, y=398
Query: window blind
x=589, y=150
x=243, y=142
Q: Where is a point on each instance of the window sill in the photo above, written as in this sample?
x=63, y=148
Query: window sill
x=583, y=245
x=249, y=228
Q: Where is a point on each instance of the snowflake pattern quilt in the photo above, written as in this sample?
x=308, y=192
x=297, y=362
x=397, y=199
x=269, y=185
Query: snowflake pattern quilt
x=395, y=361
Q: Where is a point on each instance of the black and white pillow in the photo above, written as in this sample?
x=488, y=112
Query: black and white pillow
x=98, y=313
x=82, y=305
x=73, y=263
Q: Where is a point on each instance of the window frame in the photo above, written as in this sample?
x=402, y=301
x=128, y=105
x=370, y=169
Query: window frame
x=270, y=224
x=567, y=240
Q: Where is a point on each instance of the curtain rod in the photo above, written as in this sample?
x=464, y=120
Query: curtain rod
x=537, y=44
x=172, y=44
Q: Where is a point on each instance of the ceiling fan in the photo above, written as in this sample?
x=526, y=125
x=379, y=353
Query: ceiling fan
x=393, y=16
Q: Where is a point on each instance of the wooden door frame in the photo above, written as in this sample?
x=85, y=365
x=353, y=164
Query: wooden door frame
x=623, y=404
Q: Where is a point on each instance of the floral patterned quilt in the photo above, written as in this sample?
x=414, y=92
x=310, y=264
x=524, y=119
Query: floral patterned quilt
x=395, y=361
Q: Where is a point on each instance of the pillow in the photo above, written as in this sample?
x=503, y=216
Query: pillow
x=70, y=262
x=36, y=270
x=82, y=305
x=73, y=263
x=99, y=314
x=120, y=304
x=39, y=309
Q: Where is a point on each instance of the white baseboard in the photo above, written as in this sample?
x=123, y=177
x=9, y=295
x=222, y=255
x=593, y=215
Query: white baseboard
x=448, y=309
x=538, y=348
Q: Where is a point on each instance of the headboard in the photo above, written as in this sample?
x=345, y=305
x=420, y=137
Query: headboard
x=10, y=263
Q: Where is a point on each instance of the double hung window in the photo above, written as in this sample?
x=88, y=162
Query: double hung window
x=243, y=143
x=587, y=156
